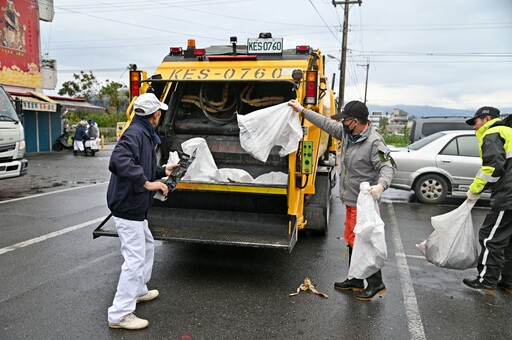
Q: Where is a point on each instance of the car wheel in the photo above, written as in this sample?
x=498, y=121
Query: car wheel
x=431, y=189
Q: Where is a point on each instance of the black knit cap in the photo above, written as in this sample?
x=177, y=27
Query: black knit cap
x=482, y=112
x=353, y=109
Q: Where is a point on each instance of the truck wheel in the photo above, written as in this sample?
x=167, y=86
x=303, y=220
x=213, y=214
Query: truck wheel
x=431, y=189
x=318, y=208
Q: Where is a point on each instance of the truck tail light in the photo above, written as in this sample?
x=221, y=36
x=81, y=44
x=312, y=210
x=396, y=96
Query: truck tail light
x=302, y=49
x=135, y=78
x=176, y=51
x=311, y=87
x=199, y=52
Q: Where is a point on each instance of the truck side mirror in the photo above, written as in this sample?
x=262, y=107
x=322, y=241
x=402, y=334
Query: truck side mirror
x=19, y=107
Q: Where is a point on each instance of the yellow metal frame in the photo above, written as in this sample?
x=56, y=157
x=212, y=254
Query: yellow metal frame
x=234, y=187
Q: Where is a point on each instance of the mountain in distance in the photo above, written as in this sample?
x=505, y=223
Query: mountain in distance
x=423, y=111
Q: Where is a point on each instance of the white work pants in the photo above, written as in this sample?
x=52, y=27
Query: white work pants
x=78, y=145
x=138, y=249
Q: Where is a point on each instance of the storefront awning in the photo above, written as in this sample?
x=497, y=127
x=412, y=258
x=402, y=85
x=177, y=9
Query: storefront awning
x=36, y=102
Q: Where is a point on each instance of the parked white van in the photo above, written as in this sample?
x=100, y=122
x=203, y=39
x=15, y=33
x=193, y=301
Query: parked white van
x=12, y=140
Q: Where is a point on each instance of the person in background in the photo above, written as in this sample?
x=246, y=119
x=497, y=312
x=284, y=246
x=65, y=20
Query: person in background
x=364, y=158
x=93, y=131
x=80, y=135
x=495, y=260
x=133, y=184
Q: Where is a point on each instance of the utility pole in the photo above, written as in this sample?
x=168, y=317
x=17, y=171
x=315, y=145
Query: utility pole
x=343, y=64
x=367, y=67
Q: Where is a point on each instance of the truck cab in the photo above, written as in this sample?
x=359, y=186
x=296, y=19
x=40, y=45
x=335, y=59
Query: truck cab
x=12, y=139
x=206, y=89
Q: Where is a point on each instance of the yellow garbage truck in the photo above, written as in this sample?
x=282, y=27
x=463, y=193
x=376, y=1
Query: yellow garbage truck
x=206, y=89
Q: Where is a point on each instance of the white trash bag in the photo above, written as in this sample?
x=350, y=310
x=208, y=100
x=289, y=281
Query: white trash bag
x=263, y=129
x=369, y=252
x=203, y=168
x=454, y=243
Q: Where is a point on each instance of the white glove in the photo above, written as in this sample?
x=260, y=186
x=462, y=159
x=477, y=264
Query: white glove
x=376, y=191
x=471, y=196
x=296, y=106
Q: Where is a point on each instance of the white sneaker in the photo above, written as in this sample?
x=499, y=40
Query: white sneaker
x=130, y=321
x=150, y=295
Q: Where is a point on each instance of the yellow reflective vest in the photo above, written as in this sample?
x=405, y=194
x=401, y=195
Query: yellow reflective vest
x=495, y=147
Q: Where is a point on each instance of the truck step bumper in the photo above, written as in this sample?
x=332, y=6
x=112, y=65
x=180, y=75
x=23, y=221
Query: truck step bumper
x=222, y=237
x=218, y=227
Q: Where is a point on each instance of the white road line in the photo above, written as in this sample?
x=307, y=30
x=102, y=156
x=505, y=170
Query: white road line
x=50, y=235
x=411, y=256
x=412, y=311
x=49, y=193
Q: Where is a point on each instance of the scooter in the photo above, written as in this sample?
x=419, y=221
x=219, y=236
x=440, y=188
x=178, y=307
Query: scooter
x=61, y=143
x=91, y=146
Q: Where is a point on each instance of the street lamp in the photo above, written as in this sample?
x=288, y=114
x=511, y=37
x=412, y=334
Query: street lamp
x=336, y=58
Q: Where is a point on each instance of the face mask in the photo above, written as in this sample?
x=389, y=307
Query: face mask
x=347, y=129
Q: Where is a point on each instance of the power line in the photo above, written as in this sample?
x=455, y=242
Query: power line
x=141, y=26
x=433, y=54
x=321, y=17
x=436, y=27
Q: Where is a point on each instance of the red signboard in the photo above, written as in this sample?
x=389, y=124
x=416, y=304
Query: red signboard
x=19, y=43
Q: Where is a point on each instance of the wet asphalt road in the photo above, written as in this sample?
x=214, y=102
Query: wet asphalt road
x=59, y=284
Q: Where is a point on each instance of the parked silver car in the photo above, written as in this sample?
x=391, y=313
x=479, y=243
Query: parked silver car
x=442, y=164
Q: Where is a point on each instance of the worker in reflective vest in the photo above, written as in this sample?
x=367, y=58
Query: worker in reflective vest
x=495, y=144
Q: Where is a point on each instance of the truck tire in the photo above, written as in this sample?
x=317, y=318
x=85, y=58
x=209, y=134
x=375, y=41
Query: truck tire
x=318, y=208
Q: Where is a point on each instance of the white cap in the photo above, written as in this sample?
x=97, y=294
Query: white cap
x=147, y=104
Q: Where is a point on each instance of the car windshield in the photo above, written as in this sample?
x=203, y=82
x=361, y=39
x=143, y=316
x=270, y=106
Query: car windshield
x=424, y=141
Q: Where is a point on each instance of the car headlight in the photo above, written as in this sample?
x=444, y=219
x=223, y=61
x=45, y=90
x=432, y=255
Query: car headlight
x=21, y=149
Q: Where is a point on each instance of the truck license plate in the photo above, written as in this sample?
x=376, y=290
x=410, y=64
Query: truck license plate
x=269, y=45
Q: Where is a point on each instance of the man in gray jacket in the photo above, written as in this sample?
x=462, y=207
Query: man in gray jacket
x=364, y=158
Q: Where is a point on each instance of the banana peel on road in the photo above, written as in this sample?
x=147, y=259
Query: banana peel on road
x=307, y=285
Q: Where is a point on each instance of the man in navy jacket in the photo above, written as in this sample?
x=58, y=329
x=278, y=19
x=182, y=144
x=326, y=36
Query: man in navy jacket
x=133, y=183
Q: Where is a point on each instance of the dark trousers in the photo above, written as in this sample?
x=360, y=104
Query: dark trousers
x=496, y=255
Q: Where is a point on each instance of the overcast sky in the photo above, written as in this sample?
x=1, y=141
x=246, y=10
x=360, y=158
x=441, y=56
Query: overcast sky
x=447, y=53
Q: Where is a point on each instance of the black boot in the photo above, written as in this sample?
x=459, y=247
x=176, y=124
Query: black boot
x=375, y=287
x=483, y=286
x=507, y=287
x=356, y=285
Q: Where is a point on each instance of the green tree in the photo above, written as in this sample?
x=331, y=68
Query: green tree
x=85, y=85
x=406, y=130
x=116, y=94
x=383, y=125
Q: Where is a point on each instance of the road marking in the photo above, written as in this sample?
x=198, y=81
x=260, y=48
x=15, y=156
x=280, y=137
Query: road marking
x=51, y=192
x=414, y=322
x=50, y=235
x=411, y=256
